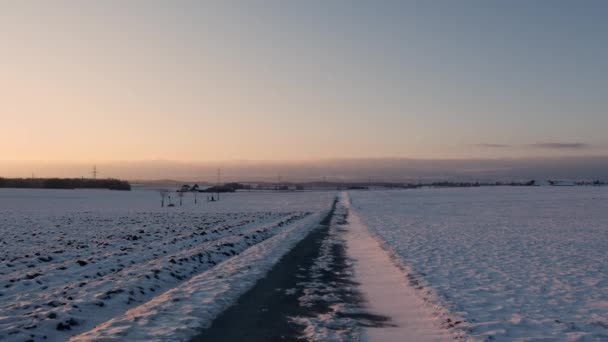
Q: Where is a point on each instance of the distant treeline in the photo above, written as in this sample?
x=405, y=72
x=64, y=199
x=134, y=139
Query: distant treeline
x=228, y=187
x=64, y=183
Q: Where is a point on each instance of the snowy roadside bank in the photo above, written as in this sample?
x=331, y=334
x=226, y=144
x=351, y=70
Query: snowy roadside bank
x=180, y=313
x=385, y=288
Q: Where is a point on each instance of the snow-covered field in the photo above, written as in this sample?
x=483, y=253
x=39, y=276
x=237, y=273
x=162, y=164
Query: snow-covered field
x=71, y=260
x=526, y=264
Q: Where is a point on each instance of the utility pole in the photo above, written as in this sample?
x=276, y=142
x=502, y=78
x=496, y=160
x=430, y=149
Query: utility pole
x=219, y=175
x=95, y=172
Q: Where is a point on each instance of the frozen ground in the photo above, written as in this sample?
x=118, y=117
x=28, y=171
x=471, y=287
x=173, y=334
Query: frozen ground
x=526, y=264
x=70, y=260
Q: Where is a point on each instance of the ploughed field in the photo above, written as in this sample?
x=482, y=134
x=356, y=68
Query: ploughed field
x=66, y=266
x=527, y=263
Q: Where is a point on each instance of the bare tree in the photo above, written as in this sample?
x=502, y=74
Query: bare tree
x=181, y=196
x=163, y=195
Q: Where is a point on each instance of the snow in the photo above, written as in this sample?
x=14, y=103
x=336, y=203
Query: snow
x=501, y=263
x=72, y=260
x=42, y=201
x=361, y=295
x=523, y=263
x=386, y=291
x=183, y=311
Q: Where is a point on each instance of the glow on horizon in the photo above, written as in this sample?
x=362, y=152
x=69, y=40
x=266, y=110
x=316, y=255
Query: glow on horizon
x=193, y=81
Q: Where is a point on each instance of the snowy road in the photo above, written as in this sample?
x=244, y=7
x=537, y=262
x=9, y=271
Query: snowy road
x=337, y=284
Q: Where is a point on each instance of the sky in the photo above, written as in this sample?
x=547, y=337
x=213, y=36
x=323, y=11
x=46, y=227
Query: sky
x=286, y=81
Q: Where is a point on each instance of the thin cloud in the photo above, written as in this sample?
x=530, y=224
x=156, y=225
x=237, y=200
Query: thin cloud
x=485, y=145
x=561, y=146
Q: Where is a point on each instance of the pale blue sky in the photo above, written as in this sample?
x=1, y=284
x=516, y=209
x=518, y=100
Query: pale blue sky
x=279, y=80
